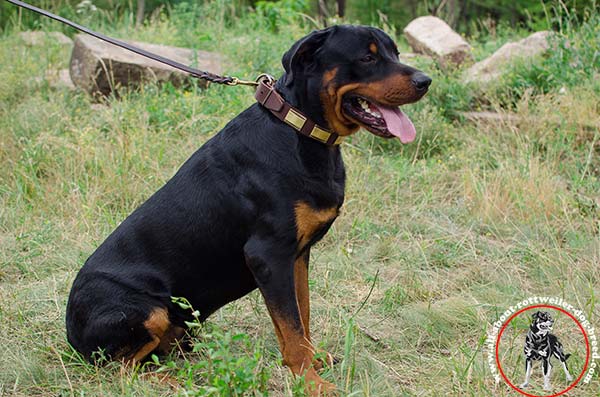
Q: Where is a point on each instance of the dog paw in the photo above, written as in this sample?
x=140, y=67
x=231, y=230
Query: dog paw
x=547, y=387
x=317, y=387
x=569, y=378
x=524, y=385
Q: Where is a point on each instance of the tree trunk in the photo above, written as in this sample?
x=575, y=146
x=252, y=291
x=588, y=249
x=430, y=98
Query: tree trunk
x=323, y=12
x=341, y=8
x=139, y=16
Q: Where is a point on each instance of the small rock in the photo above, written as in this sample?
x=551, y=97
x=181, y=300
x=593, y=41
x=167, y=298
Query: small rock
x=493, y=66
x=432, y=36
x=100, y=68
x=37, y=37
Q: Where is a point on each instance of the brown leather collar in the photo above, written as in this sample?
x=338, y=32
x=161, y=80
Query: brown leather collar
x=270, y=99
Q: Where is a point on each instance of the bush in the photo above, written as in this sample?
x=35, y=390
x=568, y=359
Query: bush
x=228, y=365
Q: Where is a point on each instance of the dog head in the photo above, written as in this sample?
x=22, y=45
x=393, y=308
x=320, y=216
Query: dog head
x=542, y=323
x=355, y=76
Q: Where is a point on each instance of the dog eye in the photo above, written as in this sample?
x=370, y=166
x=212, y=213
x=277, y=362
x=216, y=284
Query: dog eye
x=367, y=58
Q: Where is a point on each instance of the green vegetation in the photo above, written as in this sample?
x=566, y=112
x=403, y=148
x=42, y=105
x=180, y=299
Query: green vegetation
x=447, y=232
x=467, y=16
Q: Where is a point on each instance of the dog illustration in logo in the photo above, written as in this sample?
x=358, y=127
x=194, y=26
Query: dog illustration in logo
x=540, y=344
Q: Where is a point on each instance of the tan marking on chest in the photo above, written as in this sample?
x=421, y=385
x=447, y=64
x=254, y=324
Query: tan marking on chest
x=309, y=221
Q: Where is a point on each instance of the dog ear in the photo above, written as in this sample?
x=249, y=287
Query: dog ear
x=302, y=53
x=536, y=315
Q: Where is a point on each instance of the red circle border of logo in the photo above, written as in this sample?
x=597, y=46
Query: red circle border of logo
x=587, y=355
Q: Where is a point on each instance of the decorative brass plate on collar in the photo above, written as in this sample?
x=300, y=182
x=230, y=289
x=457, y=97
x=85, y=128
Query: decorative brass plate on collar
x=320, y=134
x=295, y=119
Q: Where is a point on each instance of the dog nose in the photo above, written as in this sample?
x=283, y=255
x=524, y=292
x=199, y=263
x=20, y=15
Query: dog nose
x=421, y=81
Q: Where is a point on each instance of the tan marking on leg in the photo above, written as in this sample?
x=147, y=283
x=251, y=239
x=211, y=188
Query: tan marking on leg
x=302, y=292
x=296, y=349
x=157, y=325
x=144, y=350
x=303, y=298
x=298, y=353
x=310, y=220
x=158, y=322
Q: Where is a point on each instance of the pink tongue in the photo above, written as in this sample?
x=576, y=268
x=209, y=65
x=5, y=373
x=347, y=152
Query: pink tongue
x=398, y=124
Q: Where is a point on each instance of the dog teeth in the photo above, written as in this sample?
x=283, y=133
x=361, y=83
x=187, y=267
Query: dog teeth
x=365, y=106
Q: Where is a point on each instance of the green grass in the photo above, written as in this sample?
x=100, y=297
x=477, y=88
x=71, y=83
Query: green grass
x=441, y=235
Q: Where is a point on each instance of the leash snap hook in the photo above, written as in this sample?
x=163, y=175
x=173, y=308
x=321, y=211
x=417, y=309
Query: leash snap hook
x=266, y=78
x=237, y=81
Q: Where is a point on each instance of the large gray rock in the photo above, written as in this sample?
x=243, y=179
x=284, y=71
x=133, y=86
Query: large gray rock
x=492, y=67
x=37, y=37
x=100, y=68
x=432, y=36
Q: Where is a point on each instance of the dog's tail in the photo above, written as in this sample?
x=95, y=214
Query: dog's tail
x=567, y=356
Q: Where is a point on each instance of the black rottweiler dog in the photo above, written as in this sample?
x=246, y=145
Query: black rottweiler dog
x=540, y=344
x=244, y=211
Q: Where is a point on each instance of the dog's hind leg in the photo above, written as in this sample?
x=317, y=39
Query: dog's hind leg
x=562, y=357
x=547, y=368
x=563, y=360
x=566, y=369
x=528, y=364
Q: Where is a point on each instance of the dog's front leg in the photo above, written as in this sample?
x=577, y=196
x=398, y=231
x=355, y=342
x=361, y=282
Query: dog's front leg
x=302, y=294
x=528, y=364
x=547, y=368
x=273, y=267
